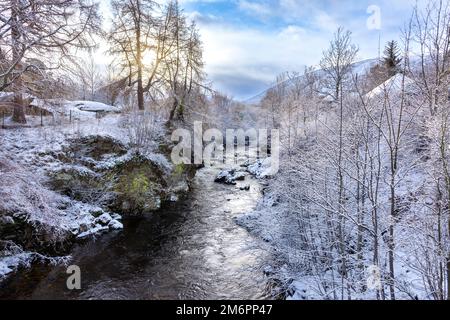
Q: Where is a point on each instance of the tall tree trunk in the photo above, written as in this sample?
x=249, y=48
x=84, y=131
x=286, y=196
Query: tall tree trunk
x=19, y=110
x=341, y=200
x=446, y=171
x=391, y=243
x=361, y=203
x=140, y=86
x=140, y=90
x=448, y=265
x=174, y=109
x=441, y=288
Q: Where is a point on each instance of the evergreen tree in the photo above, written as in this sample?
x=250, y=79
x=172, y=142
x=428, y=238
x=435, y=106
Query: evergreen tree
x=392, y=58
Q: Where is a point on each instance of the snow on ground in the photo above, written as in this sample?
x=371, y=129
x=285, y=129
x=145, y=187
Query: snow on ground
x=392, y=85
x=12, y=257
x=261, y=168
x=28, y=153
x=91, y=106
x=77, y=109
x=5, y=95
x=267, y=220
x=9, y=264
x=255, y=221
x=24, y=197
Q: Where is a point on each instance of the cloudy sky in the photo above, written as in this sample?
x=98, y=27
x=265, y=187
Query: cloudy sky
x=248, y=42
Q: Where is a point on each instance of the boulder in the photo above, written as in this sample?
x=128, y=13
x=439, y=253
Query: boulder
x=115, y=225
x=225, y=177
x=95, y=147
x=230, y=177
x=245, y=187
x=104, y=219
x=239, y=176
x=101, y=170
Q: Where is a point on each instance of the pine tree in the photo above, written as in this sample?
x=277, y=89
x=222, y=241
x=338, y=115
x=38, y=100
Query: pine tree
x=392, y=58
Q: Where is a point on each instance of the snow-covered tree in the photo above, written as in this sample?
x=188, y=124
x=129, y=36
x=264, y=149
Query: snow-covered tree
x=159, y=53
x=30, y=29
x=392, y=58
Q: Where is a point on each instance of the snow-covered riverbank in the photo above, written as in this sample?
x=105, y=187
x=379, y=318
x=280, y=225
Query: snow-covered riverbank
x=191, y=249
x=73, y=178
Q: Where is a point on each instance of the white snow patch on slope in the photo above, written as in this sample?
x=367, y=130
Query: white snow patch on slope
x=391, y=85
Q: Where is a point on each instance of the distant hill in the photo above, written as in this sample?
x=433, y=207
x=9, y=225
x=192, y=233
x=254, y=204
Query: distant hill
x=359, y=68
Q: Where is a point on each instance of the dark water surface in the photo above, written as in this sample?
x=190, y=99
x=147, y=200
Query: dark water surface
x=190, y=250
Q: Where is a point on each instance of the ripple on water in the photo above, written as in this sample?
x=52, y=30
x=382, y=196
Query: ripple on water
x=190, y=250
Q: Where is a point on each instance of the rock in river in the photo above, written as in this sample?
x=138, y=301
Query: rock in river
x=230, y=177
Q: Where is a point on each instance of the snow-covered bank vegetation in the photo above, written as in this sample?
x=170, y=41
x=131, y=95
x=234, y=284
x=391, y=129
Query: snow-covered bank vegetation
x=360, y=207
x=62, y=183
x=83, y=143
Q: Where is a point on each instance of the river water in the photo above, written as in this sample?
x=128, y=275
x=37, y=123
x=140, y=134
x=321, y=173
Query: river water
x=189, y=250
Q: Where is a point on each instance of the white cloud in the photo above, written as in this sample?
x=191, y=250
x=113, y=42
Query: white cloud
x=194, y=1
x=324, y=21
x=243, y=58
x=256, y=55
x=202, y=18
x=261, y=10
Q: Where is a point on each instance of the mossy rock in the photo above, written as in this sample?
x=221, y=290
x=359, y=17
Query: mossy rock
x=181, y=177
x=131, y=184
x=140, y=186
x=96, y=147
x=77, y=184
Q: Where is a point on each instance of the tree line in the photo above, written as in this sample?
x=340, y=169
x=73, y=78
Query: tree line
x=157, y=52
x=364, y=184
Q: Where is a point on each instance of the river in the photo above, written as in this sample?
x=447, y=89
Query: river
x=189, y=250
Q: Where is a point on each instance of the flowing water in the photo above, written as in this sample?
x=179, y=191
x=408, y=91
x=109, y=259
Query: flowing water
x=189, y=250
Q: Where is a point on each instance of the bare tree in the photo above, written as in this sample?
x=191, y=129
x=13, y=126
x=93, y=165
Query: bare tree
x=337, y=63
x=160, y=54
x=40, y=28
x=133, y=30
x=87, y=74
x=185, y=64
x=431, y=34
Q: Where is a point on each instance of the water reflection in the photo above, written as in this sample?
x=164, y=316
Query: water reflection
x=190, y=250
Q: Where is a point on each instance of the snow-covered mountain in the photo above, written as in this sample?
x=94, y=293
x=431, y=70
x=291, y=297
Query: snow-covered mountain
x=358, y=68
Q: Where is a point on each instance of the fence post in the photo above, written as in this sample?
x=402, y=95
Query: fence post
x=42, y=120
x=3, y=119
